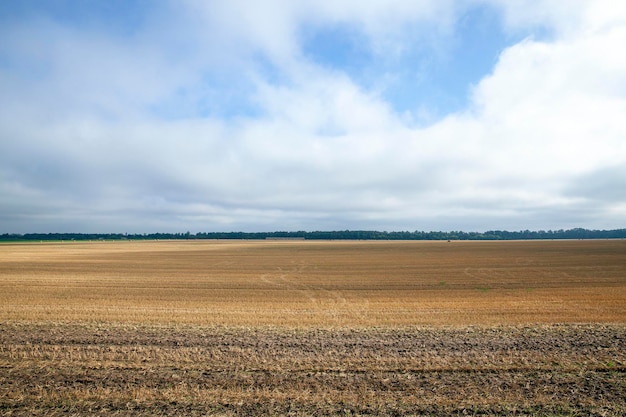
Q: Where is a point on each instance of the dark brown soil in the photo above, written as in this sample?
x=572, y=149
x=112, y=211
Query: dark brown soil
x=71, y=369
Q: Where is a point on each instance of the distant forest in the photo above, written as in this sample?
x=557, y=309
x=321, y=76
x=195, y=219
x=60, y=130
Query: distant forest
x=577, y=233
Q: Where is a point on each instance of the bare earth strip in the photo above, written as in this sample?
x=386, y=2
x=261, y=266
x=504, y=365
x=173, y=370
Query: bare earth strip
x=313, y=328
x=103, y=369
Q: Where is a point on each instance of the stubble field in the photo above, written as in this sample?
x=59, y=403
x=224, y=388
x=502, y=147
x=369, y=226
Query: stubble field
x=313, y=328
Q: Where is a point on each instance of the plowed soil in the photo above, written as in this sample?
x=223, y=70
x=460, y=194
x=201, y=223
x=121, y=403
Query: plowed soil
x=112, y=370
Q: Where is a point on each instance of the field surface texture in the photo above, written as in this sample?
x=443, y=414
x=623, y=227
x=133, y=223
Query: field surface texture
x=313, y=328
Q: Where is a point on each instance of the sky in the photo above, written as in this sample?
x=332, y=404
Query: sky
x=138, y=116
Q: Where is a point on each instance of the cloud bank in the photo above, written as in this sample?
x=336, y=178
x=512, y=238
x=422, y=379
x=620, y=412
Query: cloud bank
x=222, y=116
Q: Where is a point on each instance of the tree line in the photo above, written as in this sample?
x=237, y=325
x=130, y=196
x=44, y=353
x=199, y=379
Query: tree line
x=577, y=233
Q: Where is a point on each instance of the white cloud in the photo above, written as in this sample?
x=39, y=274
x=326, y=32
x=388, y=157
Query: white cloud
x=557, y=105
x=99, y=130
x=556, y=16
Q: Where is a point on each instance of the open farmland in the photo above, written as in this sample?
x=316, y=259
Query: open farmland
x=309, y=328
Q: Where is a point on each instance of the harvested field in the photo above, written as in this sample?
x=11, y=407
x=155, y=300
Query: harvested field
x=318, y=284
x=313, y=328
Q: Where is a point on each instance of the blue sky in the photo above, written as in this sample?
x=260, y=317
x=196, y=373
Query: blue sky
x=142, y=116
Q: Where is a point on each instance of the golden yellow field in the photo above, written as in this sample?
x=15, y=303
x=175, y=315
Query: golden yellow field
x=239, y=328
x=320, y=284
